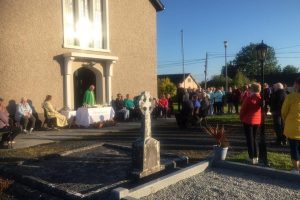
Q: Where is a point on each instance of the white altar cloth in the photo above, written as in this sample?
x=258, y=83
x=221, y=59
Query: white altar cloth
x=69, y=113
x=88, y=116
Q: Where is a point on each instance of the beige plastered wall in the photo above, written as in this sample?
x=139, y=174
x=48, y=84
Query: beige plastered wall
x=31, y=42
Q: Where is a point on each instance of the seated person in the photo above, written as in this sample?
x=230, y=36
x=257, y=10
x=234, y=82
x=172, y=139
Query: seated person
x=129, y=105
x=61, y=120
x=163, y=106
x=170, y=105
x=120, y=107
x=138, y=112
x=155, y=112
x=5, y=126
x=24, y=115
x=89, y=97
x=38, y=122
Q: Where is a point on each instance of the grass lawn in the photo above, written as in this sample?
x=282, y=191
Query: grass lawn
x=225, y=118
x=281, y=161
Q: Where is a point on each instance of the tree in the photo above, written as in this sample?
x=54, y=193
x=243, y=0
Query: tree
x=240, y=80
x=290, y=69
x=165, y=86
x=218, y=81
x=231, y=70
x=246, y=61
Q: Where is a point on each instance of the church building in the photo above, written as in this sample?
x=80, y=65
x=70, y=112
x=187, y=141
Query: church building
x=61, y=47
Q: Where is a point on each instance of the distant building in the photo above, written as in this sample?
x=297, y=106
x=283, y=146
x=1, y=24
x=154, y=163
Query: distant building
x=177, y=79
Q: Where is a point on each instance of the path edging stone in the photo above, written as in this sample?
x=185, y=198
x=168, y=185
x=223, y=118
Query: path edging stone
x=160, y=183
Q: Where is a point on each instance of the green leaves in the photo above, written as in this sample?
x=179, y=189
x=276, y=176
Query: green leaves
x=247, y=63
x=165, y=86
x=290, y=69
x=240, y=80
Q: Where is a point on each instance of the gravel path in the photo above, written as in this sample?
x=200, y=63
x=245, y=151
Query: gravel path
x=227, y=184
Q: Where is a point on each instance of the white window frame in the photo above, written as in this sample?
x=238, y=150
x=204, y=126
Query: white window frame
x=105, y=32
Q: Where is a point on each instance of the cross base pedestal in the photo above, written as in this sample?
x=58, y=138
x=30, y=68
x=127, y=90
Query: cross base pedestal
x=145, y=157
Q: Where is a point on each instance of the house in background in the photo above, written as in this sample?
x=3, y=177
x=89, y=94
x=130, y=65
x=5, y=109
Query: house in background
x=177, y=79
x=60, y=47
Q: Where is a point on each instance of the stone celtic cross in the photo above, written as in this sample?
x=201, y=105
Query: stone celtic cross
x=145, y=150
x=146, y=108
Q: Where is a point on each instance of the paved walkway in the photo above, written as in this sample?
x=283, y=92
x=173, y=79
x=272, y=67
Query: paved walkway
x=44, y=137
x=164, y=130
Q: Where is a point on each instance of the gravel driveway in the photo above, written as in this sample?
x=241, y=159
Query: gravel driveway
x=227, y=184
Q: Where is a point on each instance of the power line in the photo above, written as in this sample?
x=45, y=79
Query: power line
x=178, y=65
x=289, y=47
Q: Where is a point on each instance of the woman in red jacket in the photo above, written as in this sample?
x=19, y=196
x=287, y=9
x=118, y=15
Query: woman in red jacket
x=250, y=115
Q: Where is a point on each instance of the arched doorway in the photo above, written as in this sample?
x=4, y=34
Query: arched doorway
x=83, y=78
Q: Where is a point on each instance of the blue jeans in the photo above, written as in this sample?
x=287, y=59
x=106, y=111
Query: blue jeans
x=124, y=112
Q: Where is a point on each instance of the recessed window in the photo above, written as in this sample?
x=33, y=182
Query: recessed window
x=85, y=24
x=189, y=80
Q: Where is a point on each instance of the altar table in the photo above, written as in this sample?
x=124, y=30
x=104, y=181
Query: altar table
x=87, y=116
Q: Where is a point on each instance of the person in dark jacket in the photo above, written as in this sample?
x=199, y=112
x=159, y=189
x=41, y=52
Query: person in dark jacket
x=180, y=93
x=236, y=98
x=170, y=106
x=229, y=99
x=267, y=98
x=186, y=112
x=276, y=101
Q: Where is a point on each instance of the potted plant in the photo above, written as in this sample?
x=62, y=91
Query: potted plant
x=222, y=144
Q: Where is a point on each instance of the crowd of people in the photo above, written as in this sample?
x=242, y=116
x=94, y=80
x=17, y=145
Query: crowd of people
x=193, y=106
x=128, y=108
x=285, y=111
x=251, y=103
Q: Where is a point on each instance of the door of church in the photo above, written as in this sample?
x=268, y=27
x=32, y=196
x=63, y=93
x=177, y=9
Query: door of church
x=83, y=78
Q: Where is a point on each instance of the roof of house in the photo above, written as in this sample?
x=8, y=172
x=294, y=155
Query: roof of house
x=175, y=78
x=158, y=5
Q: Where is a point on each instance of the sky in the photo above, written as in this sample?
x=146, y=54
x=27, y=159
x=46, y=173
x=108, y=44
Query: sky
x=206, y=24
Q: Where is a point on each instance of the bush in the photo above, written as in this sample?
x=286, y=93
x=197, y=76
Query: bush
x=165, y=86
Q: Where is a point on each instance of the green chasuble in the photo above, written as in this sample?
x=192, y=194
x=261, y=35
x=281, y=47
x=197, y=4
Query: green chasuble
x=89, y=98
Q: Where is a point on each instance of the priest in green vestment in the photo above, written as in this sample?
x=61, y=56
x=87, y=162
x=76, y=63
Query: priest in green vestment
x=89, y=97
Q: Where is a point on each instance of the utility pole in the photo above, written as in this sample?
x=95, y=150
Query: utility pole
x=226, y=75
x=205, y=72
x=182, y=52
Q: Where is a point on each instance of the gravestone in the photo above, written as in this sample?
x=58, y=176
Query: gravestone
x=145, y=150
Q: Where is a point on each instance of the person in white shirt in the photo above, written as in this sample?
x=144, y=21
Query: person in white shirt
x=24, y=115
